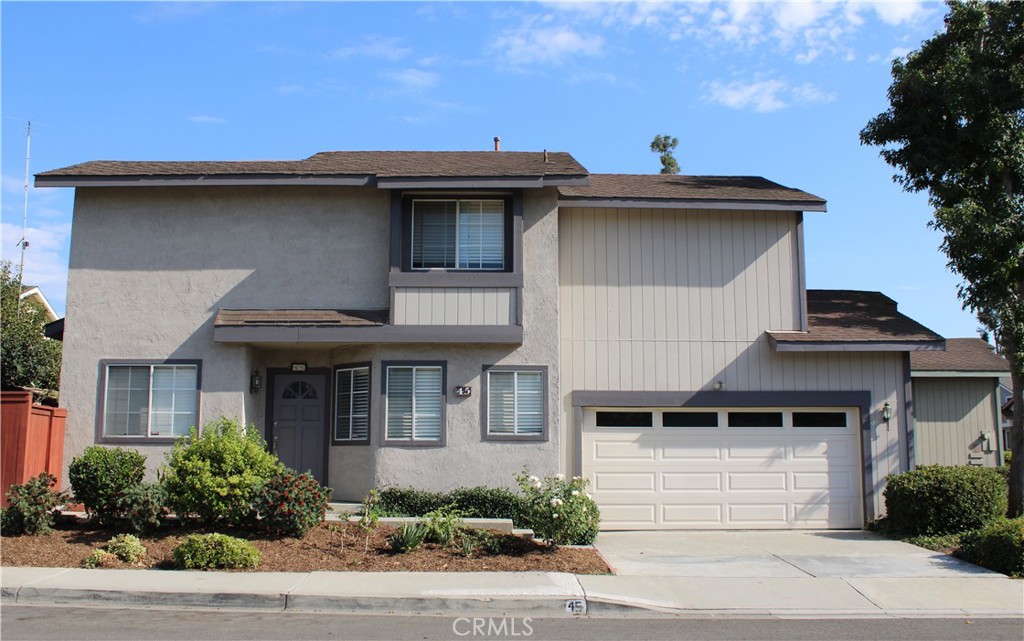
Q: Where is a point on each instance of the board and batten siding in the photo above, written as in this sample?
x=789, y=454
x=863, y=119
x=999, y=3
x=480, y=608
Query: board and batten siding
x=454, y=306
x=951, y=414
x=674, y=300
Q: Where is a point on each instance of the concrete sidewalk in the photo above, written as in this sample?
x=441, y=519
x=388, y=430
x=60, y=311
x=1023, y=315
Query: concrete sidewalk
x=533, y=594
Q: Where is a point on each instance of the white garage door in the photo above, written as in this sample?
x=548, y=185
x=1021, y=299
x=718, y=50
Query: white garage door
x=724, y=468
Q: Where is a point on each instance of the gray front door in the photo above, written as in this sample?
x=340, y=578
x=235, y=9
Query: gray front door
x=299, y=421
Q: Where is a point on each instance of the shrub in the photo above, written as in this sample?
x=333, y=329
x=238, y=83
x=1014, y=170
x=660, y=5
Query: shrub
x=559, y=510
x=100, y=559
x=215, y=551
x=474, y=540
x=143, y=505
x=126, y=547
x=442, y=525
x=30, y=506
x=936, y=499
x=292, y=504
x=472, y=502
x=101, y=475
x=408, y=538
x=998, y=546
x=214, y=476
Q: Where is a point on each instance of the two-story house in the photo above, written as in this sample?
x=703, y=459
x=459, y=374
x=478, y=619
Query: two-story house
x=441, y=319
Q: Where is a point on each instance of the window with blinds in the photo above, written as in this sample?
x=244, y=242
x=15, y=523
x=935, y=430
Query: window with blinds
x=415, y=403
x=515, y=403
x=352, y=404
x=458, y=234
x=157, y=401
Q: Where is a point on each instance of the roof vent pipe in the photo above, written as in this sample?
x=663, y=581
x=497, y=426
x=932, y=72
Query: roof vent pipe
x=546, y=156
x=497, y=144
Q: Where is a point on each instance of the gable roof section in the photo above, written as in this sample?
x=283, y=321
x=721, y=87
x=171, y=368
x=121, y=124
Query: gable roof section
x=384, y=169
x=687, y=192
x=847, y=320
x=963, y=357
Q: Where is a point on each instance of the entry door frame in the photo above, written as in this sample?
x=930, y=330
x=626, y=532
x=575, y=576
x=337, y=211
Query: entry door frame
x=272, y=373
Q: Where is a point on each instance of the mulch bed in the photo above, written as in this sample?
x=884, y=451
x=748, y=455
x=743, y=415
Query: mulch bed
x=330, y=546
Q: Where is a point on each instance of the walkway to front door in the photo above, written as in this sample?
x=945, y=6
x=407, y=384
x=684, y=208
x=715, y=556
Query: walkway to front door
x=298, y=424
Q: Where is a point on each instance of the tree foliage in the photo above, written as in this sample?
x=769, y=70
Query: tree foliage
x=664, y=145
x=27, y=358
x=955, y=129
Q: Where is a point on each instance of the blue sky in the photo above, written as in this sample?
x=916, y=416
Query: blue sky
x=779, y=90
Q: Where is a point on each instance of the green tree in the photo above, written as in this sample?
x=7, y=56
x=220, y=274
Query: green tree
x=664, y=145
x=955, y=129
x=27, y=358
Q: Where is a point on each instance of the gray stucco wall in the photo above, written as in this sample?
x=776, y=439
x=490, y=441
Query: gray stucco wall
x=150, y=267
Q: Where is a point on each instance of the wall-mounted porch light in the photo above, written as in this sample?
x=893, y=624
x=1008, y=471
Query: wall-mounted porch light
x=255, y=382
x=886, y=412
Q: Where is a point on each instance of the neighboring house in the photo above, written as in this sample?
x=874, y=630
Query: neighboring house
x=34, y=294
x=442, y=319
x=957, y=404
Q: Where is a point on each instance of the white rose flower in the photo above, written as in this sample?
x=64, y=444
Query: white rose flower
x=538, y=484
x=560, y=476
x=575, y=492
x=556, y=502
x=584, y=509
x=533, y=479
x=555, y=514
x=590, y=496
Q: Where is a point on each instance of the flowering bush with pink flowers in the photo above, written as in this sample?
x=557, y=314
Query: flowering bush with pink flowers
x=558, y=509
x=291, y=504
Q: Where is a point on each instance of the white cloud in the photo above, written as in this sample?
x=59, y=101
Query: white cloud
x=414, y=79
x=897, y=13
x=897, y=52
x=206, y=120
x=46, y=263
x=530, y=44
x=374, y=47
x=764, y=96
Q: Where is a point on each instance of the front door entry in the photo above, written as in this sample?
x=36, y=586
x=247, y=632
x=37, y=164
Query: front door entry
x=298, y=431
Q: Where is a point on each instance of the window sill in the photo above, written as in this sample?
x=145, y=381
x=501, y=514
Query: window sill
x=455, y=278
x=409, y=443
x=138, y=440
x=515, y=438
x=364, y=441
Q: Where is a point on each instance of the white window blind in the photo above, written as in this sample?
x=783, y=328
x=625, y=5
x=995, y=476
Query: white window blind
x=150, y=400
x=515, y=403
x=352, y=415
x=463, y=234
x=414, y=403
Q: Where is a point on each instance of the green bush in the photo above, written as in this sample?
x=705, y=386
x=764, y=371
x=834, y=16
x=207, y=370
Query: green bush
x=30, y=506
x=936, y=499
x=559, y=510
x=100, y=559
x=126, y=547
x=408, y=538
x=144, y=506
x=214, y=476
x=101, y=475
x=442, y=525
x=998, y=546
x=472, y=502
x=291, y=504
x=215, y=551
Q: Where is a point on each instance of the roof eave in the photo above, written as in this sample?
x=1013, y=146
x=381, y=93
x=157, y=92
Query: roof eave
x=895, y=345
x=684, y=203
x=952, y=373
x=367, y=180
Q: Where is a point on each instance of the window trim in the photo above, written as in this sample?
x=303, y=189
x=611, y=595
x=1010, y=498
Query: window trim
x=334, y=404
x=385, y=366
x=101, y=398
x=510, y=257
x=485, y=434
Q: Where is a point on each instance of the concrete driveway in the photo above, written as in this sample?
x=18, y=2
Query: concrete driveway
x=794, y=572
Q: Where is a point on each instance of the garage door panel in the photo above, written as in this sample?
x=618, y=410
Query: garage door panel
x=720, y=478
x=608, y=450
x=691, y=481
x=624, y=481
x=693, y=515
x=758, y=513
x=755, y=481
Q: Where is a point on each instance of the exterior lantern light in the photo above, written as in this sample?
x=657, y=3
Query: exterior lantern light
x=255, y=382
x=886, y=412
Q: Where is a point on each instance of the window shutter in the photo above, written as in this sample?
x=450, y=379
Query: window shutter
x=501, y=402
x=481, y=234
x=428, y=399
x=400, y=403
x=529, y=403
x=361, y=403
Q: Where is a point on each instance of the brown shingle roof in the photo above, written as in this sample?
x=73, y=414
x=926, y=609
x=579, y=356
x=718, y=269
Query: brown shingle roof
x=347, y=163
x=961, y=355
x=846, y=316
x=669, y=187
x=300, y=317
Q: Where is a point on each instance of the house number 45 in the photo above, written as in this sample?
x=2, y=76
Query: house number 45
x=464, y=390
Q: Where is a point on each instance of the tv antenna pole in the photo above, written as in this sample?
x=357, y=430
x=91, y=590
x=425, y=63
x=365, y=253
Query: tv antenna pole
x=23, y=243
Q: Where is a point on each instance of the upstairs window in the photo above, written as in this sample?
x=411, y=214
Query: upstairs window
x=458, y=234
